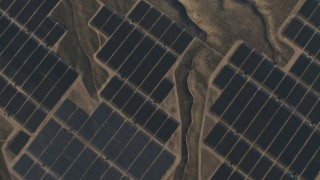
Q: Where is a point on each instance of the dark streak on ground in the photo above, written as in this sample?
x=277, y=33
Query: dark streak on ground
x=263, y=20
x=185, y=104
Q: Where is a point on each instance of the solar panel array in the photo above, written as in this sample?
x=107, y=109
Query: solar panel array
x=119, y=140
x=303, y=29
x=135, y=105
x=31, y=169
x=19, y=106
x=33, y=15
x=18, y=142
x=55, y=151
x=31, y=66
x=160, y=26
x=267, y=108
x=135, y=55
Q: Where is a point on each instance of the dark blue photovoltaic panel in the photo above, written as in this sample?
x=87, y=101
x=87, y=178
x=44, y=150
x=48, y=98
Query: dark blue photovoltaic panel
x=43, y=139
x=36, y=172
x=295, y=145
x=239, y=150
x=56, y=146
x=18, y=142
x=143, y=162
x=80, y=166
x=169, y=37
x=139, y=11
x=23, y=165
x=315, y=114
x=161, y=26
x=314, y=19
x=96, y=170
x=249, y=160
x=215, y=135
x=35, y=120
x=4, y=4
x=182, y=42
x=304, y=36
x=312, y=170
x=160, y=166
x=284, y=136
x=133, y=104
x=101, y=17
x=112, y=173
x=261, y=168
x=65, y=110
x=48, y=176
x=227, y=95
x=168, y=128
x=223, y=172
x=112, y=24
x=136, y=57
x=293, y=28
x=112, y=88
x=150, y=18
x=119, y=141
x=144, y=113
x=134, y=147
x=45, y=27
x=307, y=8
x=95, y=121
x=163, y=89
x=156, y=121
x=77, y=119
x=223, y=78
x=311, y=73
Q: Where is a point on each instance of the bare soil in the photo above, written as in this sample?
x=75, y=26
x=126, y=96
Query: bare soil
x=81, y=42
x=5, y=131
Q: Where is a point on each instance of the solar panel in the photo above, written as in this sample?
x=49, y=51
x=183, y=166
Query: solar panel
x=313, y=45
x=304, y=36
x=5, y=4
x=314, y=19
x=293, y=28
x=223, y=172
x=112, y=24
x=150, y=18
x=18, y=142
x=36, y=171
x=263, y=118
x=132, y=150
x=139, y=11
x=307, y=8
x=125, y=49
x=101, y=17
x=161, y=26
x=23, y=165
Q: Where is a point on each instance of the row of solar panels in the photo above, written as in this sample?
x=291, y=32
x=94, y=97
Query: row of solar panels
x=134, y=55
x=310, y=11
x=240, y=154
x=18, y=106
x=58, y=153
x=136, y=106
x=31, y=66
x=305, y=36
x=261, y=117
x=161, y=26
x=118, y=139
x=32, y=14
x=283, y=86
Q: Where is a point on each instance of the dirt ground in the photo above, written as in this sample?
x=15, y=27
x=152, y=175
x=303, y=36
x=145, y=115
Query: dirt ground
x=81, y=42
x=5, y=131
x=226, y=21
